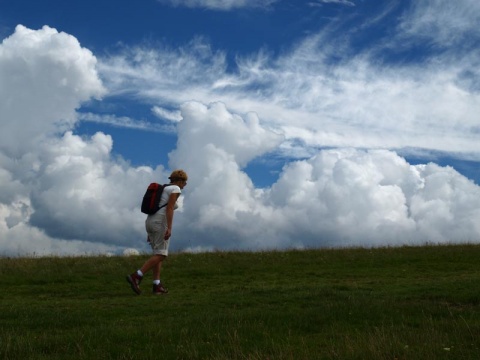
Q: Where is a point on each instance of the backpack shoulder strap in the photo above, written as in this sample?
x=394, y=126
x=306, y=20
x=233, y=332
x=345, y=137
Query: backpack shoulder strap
x=164, y=186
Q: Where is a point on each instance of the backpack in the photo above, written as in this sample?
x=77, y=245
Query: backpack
x=151, y=199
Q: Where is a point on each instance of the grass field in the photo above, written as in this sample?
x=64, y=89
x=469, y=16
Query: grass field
x=387, y=303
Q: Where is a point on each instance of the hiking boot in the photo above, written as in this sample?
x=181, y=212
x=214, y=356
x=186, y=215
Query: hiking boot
x=159, y=290
x=134, y=280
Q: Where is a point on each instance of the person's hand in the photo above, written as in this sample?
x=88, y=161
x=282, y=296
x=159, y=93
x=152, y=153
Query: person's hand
x=168, y=233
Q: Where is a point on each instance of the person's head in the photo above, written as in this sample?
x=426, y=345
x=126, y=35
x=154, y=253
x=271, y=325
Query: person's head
x=178, y=177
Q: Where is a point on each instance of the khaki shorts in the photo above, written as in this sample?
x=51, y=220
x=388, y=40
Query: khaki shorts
x=156, y=226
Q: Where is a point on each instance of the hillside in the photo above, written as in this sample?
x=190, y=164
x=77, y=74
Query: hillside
x=388, y=303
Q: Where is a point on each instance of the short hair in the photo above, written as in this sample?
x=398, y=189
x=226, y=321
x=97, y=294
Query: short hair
x=178, y=175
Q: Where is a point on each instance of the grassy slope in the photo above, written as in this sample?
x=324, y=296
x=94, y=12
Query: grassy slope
x=392, y=303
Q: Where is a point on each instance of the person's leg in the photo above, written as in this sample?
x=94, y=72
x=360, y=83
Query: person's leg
x=136, y=278
x=158, y=288
x=156, y=231
x=156, y=270
x=155, y=263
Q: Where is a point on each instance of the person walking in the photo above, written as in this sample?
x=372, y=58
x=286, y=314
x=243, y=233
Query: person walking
x=159, y=230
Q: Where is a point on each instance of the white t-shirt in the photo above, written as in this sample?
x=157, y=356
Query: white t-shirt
x=167, y=191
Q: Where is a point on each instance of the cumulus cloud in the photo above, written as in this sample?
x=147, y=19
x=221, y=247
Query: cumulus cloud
x=343, y=197
x=214, y=128
x=130, y=252
x=46, y=71
x=75, y=193
x=60, y=193
x=65, y=194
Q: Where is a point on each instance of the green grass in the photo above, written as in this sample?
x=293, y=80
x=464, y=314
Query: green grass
x=388, y=303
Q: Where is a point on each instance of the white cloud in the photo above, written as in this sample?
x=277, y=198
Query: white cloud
x=130, y=252
x=166, y=114
x=125, y=122
x=60, y=193
x=220, y=4
x=66, y=194
x=357, y=101
x=72, y=197
x=336, y=198
x=56, y=75
x=341, y=2
x=214, y=129
x=443, y=22
x=181, y=73
x=75, y=193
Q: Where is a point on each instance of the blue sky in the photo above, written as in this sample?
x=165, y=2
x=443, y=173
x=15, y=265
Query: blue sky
x=372, y=97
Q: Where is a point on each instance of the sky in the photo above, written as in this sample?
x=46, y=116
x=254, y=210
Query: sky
x=301, y=124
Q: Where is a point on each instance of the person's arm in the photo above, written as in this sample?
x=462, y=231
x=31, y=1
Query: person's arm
x=169, y=211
